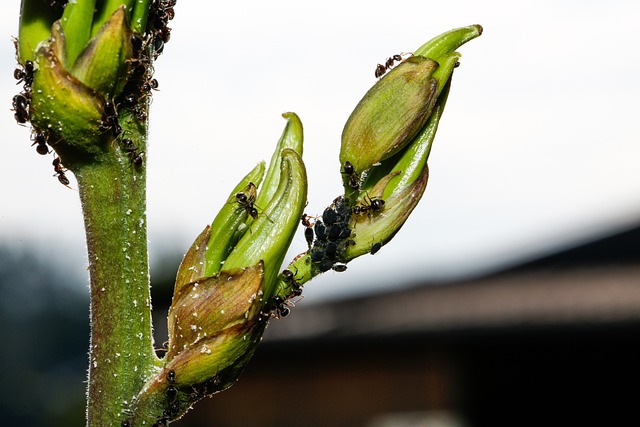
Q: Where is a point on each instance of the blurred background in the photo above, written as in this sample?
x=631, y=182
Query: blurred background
x=512, y=294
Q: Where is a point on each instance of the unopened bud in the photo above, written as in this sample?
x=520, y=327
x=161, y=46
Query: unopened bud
x=391, y=113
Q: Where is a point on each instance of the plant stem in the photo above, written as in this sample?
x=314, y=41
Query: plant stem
x=112, y=192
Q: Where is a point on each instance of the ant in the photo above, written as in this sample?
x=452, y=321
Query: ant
x=354, y=179
x=40, y=138
x=24, y=74
x=60, y=170
x=368, y=205
x=308, y=229
x=246, y=197
x=137, y=157
x=20, y=106
x=382, y=69
x=281, y=307
x=110, y=119
x=290, y=277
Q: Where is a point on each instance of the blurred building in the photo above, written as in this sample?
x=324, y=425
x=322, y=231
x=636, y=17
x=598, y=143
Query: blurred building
x=551, y=342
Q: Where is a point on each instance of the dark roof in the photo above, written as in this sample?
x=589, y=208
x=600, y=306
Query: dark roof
x=594, y=283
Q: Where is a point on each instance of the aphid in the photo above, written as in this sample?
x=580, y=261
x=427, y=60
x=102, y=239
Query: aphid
x=317, y=255
x=136, y=157
x=329, y=216
x=344, y=233
x=60, y=170
x=320, y=230
x=354, y=179
x=331, y=250
x=375, y=248
x=339, y=267
x=334, y=231
x=325, y=265
x=246, y=197
x=381, y=69
x=40, y=139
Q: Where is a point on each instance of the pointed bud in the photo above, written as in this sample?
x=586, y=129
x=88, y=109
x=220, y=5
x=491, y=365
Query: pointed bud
x=60, y=103
x=213, y=322
x=102, y=65
x=224, y=287
x=390, y=188
x=390, y=114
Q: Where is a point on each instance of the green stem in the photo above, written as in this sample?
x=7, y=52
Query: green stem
x=112, y=193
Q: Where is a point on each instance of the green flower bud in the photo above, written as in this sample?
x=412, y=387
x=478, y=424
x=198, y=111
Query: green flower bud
x=224, y=287
x=397, y=107
x=272, y=232
x=400, y=187
x=60, y=103
x=102, y=65
x=390, y=114
x=391, y=170
x=213, y=322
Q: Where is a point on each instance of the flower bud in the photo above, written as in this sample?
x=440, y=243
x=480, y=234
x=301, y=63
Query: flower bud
x=395, y=169
x=225, y=284
x=213, y=322
x=102, y=65
x=62, y=104
x=390, y=114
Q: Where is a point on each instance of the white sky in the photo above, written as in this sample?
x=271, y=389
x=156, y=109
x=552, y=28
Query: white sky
x=538, y=147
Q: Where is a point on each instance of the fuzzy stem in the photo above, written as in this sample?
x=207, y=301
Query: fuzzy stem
x=112, y=193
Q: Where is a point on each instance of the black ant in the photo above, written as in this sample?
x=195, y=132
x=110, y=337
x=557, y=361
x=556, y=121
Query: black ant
x=40, y=138
x=280, y=307
x=20, y=106
x=24, y=74
x=246, y=197
x=368, y=205
x=60, y=170
x=110, y=119
x=354, y=179
x=308, y=229
x=382, y=69
x=137, y=157
x=290, y=277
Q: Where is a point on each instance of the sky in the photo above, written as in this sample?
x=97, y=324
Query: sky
x=538, y=148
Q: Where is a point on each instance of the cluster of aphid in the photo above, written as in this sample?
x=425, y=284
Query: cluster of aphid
x=381, y=69
x=330, y=236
